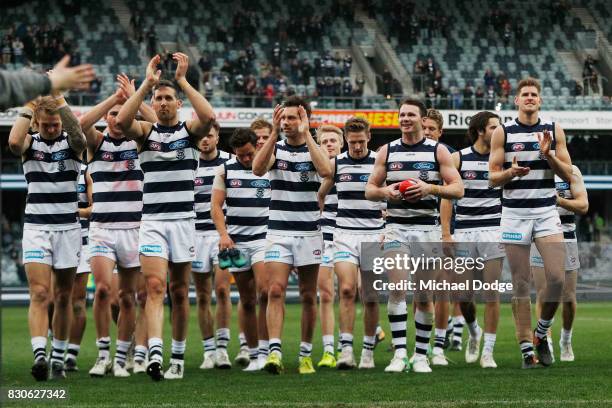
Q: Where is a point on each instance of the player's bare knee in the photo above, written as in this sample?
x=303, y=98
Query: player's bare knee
x=39, y=295
x=276, y=292
x=141, y=297
x=156, y=288
x=63, y=298
x=222, y=293
x=179, y=292
x=347, y=292
x=249, y=304
x=126, y=299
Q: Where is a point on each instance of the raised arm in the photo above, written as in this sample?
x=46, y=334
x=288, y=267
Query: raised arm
x=126, y=119
x=560, y=161
x=326, y=185
x=579, y=204
x=90, y=118
x=264, y=159
x=376, y=190
x=76, y=138
x=497, y=175
x=216, y=210
x=198, y=127
x=19, y=139
x=317, y=154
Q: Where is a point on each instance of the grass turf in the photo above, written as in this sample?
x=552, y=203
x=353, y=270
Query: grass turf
x=585, y=382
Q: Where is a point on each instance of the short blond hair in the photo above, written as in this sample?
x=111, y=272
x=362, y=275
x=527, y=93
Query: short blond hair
x=46, y=104
x=261, y=123
x=330, y=129
x=436, y=116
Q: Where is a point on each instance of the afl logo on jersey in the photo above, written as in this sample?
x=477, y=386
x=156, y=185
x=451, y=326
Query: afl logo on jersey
x=61, y=155
x=469, y=175
x=108, y=156
x=37, y=155
x=155, y=146
x=395, y=166
x=235, y=183
x=199, y=181
x=345, y=177
x=517, y=147
x=282, y=165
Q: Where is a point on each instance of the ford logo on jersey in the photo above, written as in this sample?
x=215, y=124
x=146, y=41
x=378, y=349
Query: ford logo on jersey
x=61, y=155
x=303, y=167
x=81, y=188
x=517, y=147
x=364, y=177
x=536, y=146
x=260, y=183
x=345, y=177
x=179, y=144
x=562, y=186
x=130, y=154
x=423, y=166
x=486, y=175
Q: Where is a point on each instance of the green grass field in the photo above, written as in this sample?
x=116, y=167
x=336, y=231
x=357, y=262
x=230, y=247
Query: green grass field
x=586, y=382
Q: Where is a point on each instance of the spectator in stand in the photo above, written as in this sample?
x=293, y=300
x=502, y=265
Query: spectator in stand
x=507, y=35
x=594, y=80
x=468, y=97
x=7, y=50
x=431, y=99
x=276, y=55
x=490, y=98
x=387, y=80
x=347, y=64
x=506, y=88
x=359, y=86
x=489, y=78
x=306, y=71
x=578, y=89
x=18, y=51
x=480, y=98
x=456, y=100
x=347, y=88
x=269, y=95
x=205, y=65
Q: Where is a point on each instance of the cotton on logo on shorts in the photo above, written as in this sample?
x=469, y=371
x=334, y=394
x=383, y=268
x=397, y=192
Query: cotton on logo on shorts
x=512, y=236
x=197, y=264
x=342, y=255
x=156, y=249
x=34, y=254
x=272, y=255
x=99, y=249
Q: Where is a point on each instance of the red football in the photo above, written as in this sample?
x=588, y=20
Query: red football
x=404, y=185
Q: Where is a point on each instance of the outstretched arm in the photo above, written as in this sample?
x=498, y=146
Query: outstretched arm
x=126, y=120
x=264, y=159
x=198, y=127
